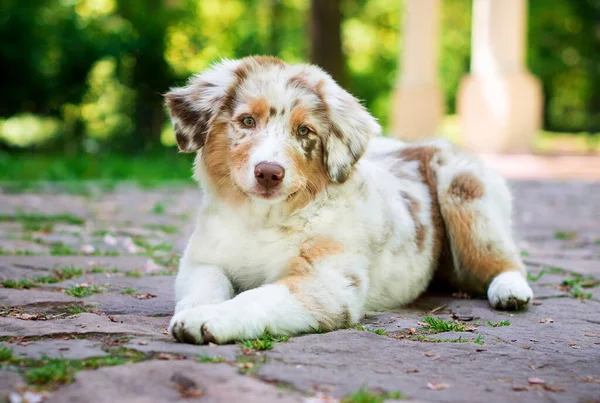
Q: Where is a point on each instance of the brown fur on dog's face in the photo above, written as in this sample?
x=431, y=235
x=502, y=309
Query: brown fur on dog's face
x=241, y=113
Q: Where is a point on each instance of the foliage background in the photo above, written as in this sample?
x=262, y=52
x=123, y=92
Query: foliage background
x=85, y=76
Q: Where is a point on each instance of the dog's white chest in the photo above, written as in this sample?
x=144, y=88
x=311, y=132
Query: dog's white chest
x=250, y=256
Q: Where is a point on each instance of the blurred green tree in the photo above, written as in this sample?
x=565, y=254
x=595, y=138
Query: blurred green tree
x=89, y=74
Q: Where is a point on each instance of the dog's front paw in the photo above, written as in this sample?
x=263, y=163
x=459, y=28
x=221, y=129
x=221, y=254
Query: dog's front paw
x=193, y=326
x=509, y=290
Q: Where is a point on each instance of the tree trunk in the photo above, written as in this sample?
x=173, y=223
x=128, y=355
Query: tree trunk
x=326, y=38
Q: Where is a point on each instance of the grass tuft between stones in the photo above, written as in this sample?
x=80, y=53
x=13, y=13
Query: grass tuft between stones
x=264, y=342
x=49, y=373
x=363, y=395
x=497, y=324
x=439, y=325
x=81, y=291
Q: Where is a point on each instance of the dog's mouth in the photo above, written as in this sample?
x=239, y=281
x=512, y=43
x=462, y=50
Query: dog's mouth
x=274, y=195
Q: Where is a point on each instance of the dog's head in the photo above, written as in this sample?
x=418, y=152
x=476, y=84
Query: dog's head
x=269, y=131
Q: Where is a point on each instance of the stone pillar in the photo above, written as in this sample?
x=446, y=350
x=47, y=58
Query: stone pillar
x=499, y=103
x=418, y=103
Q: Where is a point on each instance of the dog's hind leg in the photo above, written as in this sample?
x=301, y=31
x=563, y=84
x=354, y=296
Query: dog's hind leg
x=476, y=207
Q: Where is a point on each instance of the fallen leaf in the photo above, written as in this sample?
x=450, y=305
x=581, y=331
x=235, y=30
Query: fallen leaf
x=429, y=354
x=246, y=365
x=544, y=386
x=590, y=379
x=411, y=330
x=437, y=386
x=551, y=388
x=436, y=310
x=526, y=347
x=535, y=381
x=130, y=246
x=64, y=348
x=323, y=388
x=145, y=296
x=112, y=319
x=28, y=316
x=142, y=343
x=479, y=350
x=592, y=334
x=546, y=320
x=536, y=303
x=191, y=393
x=88, y=249
x=151, y=267
x=412, y=371
x=110, y=240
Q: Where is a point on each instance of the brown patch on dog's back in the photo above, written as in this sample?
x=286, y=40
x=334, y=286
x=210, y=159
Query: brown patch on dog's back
x=424, y=156
x=467, y=187
x=413, y=208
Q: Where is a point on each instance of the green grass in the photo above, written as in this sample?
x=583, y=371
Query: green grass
x=423, y=338
x=145, y=168
x=439, y=325
x=129, y=291
x=479, y=339
x=497, y=324
x=159, y=208
x=81, y=291
x=207, y=359
x=6, y=354
x=49, y=373
x=46, y=280
x=67, y=273
x=358, y=326
x=150, y=248
x=18, y=284
x=565, y=236
x=77, y=309
x=97, y=270
x=531, y=277
x=60, y=249
x=364, y=395
x=134, y=274
x=54, y=371
x=264, y=342
x=167, y=229
x=41, y=219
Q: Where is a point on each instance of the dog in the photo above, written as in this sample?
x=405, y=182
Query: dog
x=310, y=217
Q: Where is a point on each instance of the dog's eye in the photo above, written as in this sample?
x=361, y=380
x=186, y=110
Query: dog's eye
x=303, y=130
x=248, y=121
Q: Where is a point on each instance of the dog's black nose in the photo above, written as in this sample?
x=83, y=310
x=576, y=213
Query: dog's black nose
x=269, y=174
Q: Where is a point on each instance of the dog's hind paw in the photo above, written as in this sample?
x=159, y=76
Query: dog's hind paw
x=509, y=291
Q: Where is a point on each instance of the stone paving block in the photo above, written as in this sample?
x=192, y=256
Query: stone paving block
x=168, y=381
x=556, y=340
x=83, y=324
x=71, y=349
x=227, y=352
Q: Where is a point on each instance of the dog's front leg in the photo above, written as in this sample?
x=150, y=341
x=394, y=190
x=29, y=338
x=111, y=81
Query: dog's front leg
x=200, y=284
x=327, y=295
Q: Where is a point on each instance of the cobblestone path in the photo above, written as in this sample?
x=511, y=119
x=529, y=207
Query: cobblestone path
x=86, y=295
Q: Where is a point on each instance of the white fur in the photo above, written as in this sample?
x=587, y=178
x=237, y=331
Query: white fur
x=509, y=290
x=247, y=248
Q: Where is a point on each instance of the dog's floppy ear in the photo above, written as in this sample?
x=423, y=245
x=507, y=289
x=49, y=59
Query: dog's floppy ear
x=192, y=107
x=350, y=125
